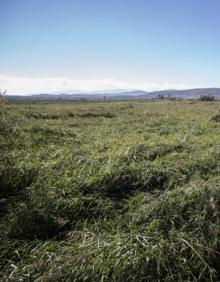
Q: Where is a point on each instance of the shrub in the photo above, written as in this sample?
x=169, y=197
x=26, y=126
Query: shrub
x=207, y=97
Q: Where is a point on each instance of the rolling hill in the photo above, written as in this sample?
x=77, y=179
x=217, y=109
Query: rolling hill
x=123, y=95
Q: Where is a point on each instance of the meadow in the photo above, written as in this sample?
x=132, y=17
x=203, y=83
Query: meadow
x=110, y=191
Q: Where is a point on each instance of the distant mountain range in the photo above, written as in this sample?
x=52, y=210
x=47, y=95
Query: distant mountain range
x=122, y=95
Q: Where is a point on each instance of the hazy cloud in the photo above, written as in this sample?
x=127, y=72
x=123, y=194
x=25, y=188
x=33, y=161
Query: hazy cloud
x=28, y=85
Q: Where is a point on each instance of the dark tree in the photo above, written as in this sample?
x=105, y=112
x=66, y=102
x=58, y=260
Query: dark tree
x=207, y=97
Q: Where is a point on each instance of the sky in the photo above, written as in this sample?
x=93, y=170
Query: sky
x=94, y=45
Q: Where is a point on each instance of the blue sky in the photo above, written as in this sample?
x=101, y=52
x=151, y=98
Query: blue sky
x=104, y=44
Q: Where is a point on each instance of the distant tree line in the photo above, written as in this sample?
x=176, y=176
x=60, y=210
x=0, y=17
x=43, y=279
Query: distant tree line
x=204, y=97
x=169, y=97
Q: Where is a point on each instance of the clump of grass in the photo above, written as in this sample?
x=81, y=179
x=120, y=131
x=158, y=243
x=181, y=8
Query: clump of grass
x=144, y=152
x=91, y=114
x=9, y=127
x=216, y=118
x=42, y=116
x=38, y=115
x=15, y=179
x=30, y=224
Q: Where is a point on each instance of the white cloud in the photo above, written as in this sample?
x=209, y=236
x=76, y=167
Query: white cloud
x=27, y=85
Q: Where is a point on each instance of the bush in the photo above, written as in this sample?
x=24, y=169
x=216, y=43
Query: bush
x=208, y=97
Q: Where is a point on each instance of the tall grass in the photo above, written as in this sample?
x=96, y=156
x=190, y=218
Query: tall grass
x=109, y=191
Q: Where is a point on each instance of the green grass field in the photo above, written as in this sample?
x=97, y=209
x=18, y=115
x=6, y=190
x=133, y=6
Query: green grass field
x=110, y=191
